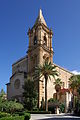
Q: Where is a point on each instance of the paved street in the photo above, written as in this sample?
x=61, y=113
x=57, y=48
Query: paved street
x=53, y=117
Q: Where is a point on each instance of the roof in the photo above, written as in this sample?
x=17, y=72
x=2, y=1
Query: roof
x=40, y=18
x=18, y=72
x=63, y=68
x=20, y=60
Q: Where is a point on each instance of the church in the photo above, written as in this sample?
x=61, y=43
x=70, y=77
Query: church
x=39, y=49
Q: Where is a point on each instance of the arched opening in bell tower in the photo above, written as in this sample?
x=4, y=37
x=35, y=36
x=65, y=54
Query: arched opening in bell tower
x=45, y=40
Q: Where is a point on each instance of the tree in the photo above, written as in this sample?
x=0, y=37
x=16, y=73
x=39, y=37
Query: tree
x=58, y=84
x=74, y=83
x=46, y=70
x=29, y=94
x=2, y=93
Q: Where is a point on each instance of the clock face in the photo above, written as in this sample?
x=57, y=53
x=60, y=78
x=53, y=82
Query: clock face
x=17, y=84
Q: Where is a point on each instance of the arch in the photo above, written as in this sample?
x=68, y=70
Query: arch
x=45, y=40
x=35, y=40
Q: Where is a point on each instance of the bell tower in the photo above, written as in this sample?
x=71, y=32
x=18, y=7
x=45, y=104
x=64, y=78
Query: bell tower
x=39, y=50
x=40, y=43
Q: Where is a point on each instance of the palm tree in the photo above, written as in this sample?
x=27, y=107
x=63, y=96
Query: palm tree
x=46, y=70
x=74, y=83
x=58, y=84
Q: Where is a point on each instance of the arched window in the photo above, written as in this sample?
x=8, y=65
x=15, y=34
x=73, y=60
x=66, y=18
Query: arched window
x=35, y=40
x=45, y=40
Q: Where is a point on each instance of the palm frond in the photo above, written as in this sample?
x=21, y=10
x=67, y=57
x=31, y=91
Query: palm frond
x=45, y=69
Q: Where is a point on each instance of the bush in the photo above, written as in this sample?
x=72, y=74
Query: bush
x=11, y=106
x=16, y=116
x=39, y=112
x=77, y=108
x=22, y=113
x=51, y=108
x=14, y=106
x=62, y=108
x=27, y=116
x=13, y=118
x=53, y=102
x=3, y=114
x=19, y=113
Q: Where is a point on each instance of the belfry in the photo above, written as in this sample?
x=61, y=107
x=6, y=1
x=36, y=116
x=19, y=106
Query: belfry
x=40, y=43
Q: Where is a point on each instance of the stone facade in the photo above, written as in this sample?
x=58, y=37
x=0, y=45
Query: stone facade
x=19, y=73
x=40, y=49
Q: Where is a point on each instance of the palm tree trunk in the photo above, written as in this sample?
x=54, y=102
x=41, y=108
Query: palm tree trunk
x=46, y=103
x=73, y=100
x=57, y=109
x=56, y=95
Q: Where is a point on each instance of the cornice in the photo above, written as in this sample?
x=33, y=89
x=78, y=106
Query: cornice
x=39, y=45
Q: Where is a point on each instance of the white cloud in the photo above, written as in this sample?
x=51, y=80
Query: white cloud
x=75, y=72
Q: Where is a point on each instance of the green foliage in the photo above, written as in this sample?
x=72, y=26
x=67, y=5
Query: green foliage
x=2, y=93
x=78, y=90
x=19, y=113
x=52, y=104
x=3, y=114
x=2, y=100
x=39, y=112
x=14, y=106
x=13, y=118
x=58, y=82
x=18, y=116
x=46, y=70
x=10, y=106
x=52, y=100
x=74, y=81
x=27, y=116
x=62, y=108
x=29, y=94
x=75, y=87
x=77, y=107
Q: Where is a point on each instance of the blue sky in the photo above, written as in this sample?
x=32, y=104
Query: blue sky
x=16, y=16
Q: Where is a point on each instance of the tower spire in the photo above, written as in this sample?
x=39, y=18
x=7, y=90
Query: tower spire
x=40, y=13
x=40, y=18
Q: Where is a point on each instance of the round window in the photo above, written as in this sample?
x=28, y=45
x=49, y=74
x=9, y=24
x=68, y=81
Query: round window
x=17, y=84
